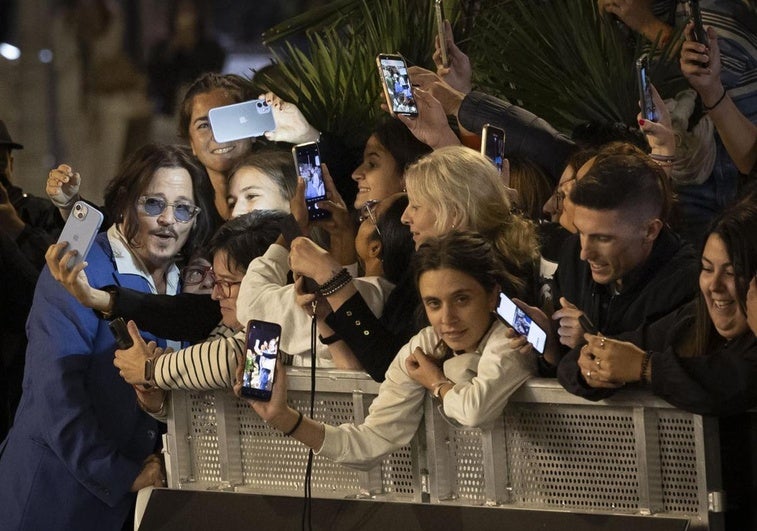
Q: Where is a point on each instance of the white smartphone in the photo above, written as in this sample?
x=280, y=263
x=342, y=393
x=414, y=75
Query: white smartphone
x=262, y=348
x=493, y=144
x=80, y=230
x=307, y=161
x=516, y=318
x=241, y=120
x=396, y=84
x=439, y=8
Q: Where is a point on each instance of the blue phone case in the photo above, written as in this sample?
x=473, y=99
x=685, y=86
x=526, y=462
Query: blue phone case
x=80, y=230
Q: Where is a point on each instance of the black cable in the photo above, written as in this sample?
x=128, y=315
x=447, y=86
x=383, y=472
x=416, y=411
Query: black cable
x=307, y=512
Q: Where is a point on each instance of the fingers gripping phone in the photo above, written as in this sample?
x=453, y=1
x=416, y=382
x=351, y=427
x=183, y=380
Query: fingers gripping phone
x=439, y=9
x=493, y=145
x=699, y=34
x=121, y=333
x=261, y=350
x=241, y=120
x=396, y=84
x=80, y=230
x=307, y=161
x=648, y=110
x=290, y=230
x=508, y=312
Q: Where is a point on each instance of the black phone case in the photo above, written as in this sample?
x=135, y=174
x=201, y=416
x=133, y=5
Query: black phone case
x=121, y=333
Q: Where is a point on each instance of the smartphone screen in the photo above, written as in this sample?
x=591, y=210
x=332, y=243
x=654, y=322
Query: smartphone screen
x=396, y=84
x=262, y=348
x=493, y=145
x=521, y=323
x=648, y=110
x=439, y=8
x=80, y=230
x=241, y=120
x=307, y=161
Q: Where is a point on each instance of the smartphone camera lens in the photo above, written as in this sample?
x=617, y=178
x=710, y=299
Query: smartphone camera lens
x=259, y=104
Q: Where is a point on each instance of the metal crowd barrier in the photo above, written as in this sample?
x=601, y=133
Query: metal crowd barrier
x=633, y=454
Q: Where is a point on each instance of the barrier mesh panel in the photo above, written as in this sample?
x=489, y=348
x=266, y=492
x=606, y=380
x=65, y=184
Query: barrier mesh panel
x=579, y=458
x=678, y=462
x=468, y=458
x=273, y=463
x=397, y=473
x=203, y=438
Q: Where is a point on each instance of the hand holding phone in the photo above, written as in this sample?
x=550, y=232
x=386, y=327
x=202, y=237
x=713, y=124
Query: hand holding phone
x=241, y=120
x=80, y=231
x=307, y=162
x=648, y=109
x=121, y=333
x=395, y=82
x=442, y=36
x=493, y=145
x=261, y=351
x=290, y=230
x=508, y=312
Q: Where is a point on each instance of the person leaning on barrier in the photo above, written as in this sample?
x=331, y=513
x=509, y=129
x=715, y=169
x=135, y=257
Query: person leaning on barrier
x=80, y=446
x=701, y=357
x=466, y=359
x=625, y=266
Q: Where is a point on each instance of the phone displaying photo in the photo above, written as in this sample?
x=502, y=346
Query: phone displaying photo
x=261, y=350
x=241, y=120
x=648, y=110
x=307, y=161
x=396, y=84
x=80, y=230
x=439, y=9
x=516, y=318
x=493, y=144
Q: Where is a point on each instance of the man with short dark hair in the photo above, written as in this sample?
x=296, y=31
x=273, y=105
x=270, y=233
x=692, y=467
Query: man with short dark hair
x=625, y=266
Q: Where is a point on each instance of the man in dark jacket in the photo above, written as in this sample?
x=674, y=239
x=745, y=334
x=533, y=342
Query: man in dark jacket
x=32, y=222
x=625, y=267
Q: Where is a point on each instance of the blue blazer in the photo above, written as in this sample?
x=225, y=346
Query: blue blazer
x=79, y=438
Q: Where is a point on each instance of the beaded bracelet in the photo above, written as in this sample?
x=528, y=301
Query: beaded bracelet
x=335, y=283
x=296, y=424
x=644, y=365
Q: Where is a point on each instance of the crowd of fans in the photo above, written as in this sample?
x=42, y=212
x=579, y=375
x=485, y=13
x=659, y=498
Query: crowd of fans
x=408, y=276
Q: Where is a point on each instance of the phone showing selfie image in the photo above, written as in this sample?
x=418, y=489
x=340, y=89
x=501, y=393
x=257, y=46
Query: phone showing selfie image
x=307, y=161
x=648, y=109
x=518, y=320
x=439, y=9
x=493, y=145
x=396, y=84
x=261, y=350
x=80, y=230
x=241, y=120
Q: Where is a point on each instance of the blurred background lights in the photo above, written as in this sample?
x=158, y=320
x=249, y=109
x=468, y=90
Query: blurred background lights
x=45, y=56
x=9, y=51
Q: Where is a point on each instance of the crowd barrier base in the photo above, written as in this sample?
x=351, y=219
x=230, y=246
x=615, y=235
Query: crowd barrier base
x=632, y=460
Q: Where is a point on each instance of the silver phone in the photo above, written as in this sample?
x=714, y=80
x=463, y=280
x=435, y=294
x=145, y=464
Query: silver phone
x=80, y=230
x=241, y=120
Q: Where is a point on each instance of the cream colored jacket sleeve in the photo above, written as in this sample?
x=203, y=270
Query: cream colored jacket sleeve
x=266, y=296
x=396, y=412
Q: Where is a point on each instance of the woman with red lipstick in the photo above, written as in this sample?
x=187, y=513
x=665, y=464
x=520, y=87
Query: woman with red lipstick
x=465, y=359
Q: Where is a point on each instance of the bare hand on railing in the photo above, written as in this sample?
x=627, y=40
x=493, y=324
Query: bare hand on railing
x=152, y=474
x=608, y=363
x=570, y=331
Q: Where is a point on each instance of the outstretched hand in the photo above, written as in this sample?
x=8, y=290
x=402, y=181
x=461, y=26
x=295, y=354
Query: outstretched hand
x=458, y=73
x=63, y=186
x=291, y=125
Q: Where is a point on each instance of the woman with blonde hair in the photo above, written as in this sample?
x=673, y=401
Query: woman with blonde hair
x=458, y=188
